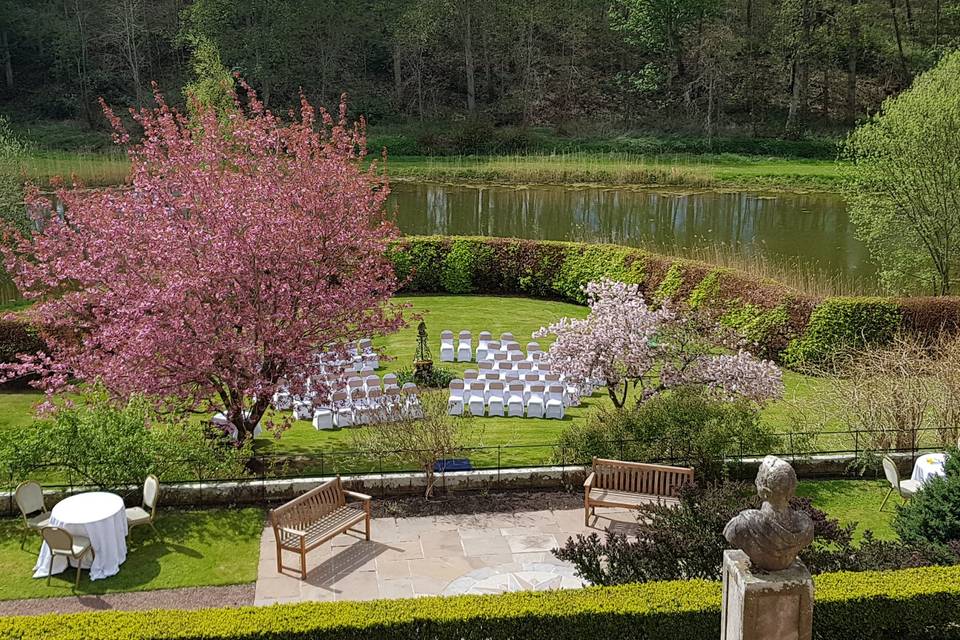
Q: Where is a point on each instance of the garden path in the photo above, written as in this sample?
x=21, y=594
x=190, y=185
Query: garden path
x=188, y=598
x=436, y=555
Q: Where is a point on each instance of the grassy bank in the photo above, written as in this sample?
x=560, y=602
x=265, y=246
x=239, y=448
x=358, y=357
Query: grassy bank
x=674, y=170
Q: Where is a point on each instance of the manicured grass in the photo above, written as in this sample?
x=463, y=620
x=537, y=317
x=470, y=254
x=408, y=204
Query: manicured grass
x=521, y=316
x=198, y=548
x=854, y=501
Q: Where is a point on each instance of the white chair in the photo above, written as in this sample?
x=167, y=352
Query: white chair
x=476, y=400
x=495, y=399
x=361, y=409
x=470, y=375
x=62, y=543
x=447, y=352
x=535, y=402
x=554, y=406
x=412, y=407
x=370, y=383
x=906, y=488
x=455, y=403
x=516, y=357
x=515, y=400
x=465, y=347
x=322, y=417
x=390, y=382
x=374, y=409
x=146, y=513
x=483, y=344
x=302, y=410
x=507, y=337
x=29, y=499
x=532, y=348
x=342, y=410
x=282, y=401
x=525, y=367
x=486, y=365
x=393, y=404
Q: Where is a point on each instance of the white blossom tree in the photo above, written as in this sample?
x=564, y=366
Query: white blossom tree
x=623, y=342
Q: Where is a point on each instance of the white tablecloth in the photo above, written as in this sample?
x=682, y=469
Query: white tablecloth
x=100, y=517
x=928, y=466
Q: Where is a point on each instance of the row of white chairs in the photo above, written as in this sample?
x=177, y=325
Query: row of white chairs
x=284, y=400
x=462, y=350
x=359, y=408
x=360, y=356
x=514, y=400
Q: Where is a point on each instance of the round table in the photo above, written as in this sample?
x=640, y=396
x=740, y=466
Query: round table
x=99, y=516
x=928, y=466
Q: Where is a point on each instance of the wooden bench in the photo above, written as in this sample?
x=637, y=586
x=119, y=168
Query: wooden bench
x=318, y=515
x=615, y=483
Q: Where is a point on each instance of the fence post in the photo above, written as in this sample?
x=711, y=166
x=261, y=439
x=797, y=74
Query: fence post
x=499, y=451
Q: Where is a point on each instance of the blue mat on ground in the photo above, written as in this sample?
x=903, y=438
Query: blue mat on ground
x=453, y=464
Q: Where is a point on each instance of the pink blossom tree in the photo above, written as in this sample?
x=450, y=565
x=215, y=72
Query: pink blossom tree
x=623, y=342
x=242, y=245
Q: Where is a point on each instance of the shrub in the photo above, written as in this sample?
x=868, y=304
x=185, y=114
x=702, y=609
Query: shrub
x=706, y=291
x=761, y=327
x=686, y=541
x=671, y=283
x=457, y=275
x=839, y=325
x=933, y=514
x=439, y=378
x=100, y=442
x=684, y=426
x=592, y=263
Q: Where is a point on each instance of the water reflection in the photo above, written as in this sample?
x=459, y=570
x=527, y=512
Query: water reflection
x=809, y=229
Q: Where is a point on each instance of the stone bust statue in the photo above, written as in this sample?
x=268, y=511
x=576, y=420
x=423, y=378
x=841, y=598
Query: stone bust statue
x=774, y=534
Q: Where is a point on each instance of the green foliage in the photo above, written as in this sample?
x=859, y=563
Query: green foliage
x=591, y=263
x=212, y=86
x=16, y=337
x=457, y=276
x=670, y=286
x=439, y=377
x=910, y=604
x=933, y=514
x=903, y=182
x=101, y=442
x=840, y=325
x=706, y=291
x=680, y=427
x=12, y=153
x=756, y=324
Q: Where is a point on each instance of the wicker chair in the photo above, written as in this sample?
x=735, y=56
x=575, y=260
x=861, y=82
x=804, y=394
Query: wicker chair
x=29, y=498
x=62, y=543
x=147, y=513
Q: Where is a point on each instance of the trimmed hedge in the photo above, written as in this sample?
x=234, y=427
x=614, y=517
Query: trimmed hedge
x=913, y=603
x=783, y=324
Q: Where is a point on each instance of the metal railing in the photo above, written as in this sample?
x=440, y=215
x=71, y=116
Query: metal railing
x=502, y=458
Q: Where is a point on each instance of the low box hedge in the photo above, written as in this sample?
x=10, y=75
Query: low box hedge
x=913, y=603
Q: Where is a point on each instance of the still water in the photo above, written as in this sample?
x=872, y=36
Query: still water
x=809, y=231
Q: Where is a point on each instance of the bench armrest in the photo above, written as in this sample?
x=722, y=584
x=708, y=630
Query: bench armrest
x=295, y=532
x=357, y=495
x=588, y=483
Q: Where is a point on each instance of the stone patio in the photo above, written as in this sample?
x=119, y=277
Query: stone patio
x=449, y=554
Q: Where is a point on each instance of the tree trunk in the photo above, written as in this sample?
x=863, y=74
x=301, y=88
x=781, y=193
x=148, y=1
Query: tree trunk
x=619, y=399
x=853, y=48
x=896, y=32
x=397, y=76
x=7, y=60
x=825, y=102
x=468, y=60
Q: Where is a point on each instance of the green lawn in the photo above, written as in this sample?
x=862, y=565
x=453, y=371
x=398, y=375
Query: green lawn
x=521, y=316
x=199, y=548
x=854, y=501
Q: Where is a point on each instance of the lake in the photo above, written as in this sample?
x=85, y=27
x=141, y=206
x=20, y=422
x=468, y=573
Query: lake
x=788, y=230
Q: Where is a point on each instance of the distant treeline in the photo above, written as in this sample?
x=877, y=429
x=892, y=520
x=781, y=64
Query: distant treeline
x=584, y=67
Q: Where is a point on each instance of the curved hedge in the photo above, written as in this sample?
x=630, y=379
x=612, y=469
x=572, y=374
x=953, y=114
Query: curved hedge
x=913, y=603
x=784, y=324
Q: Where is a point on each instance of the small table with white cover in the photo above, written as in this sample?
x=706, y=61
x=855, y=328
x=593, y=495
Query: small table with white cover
x=928, y=466
x=99, y=516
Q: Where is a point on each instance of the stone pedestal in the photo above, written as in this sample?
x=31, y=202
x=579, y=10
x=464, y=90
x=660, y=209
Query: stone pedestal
x=776, y=605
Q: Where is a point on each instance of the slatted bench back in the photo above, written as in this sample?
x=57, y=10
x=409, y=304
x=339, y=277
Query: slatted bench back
x=637, y=477
x=312, y=506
